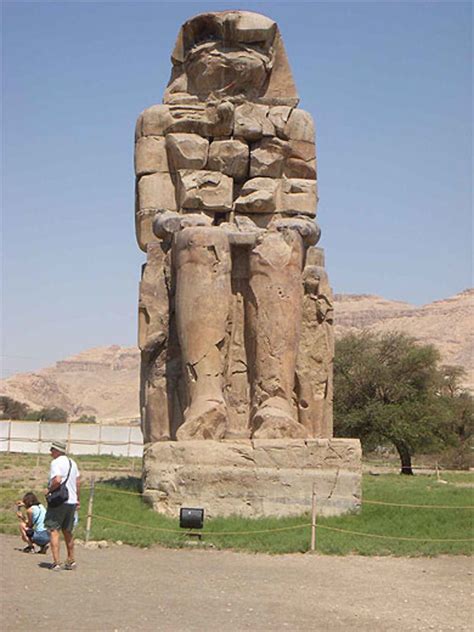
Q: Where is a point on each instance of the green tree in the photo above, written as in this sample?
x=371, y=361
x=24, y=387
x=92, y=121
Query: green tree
x=12, y=409
x=89, y=419
x=48, y=414
x=387, y=388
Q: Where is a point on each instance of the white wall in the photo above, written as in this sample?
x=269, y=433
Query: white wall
x=36, y=436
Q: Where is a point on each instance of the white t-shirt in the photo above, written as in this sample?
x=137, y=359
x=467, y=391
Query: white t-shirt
x=60, y=467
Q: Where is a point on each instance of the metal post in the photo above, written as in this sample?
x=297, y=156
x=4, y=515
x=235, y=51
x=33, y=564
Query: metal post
x=39, y=445
x=313, y=519
x=68, y=436
x=9, y=447
x=89, y=509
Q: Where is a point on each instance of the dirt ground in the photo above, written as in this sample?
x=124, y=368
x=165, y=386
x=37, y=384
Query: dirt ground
x=124, y=589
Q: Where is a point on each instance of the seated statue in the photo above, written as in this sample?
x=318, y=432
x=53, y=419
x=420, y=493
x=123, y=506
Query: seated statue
x=235, y=312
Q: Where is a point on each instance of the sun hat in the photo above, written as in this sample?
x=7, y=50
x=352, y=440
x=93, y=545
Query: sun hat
x=60, y=446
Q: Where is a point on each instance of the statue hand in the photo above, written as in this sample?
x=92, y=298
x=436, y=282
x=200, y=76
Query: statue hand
x=306, y=227
x=167, y=223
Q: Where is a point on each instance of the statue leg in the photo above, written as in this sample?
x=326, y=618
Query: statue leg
x=203, y=293
x=274, y=312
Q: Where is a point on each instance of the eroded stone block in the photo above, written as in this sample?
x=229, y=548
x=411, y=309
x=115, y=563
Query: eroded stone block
x=300, y=126
x=150, y=155
x=187, y=151
x=155, y=121
x=204, y=190
x=297, y=168
x=251, y=122
x=207, y=119
x=279, y=116
x=254, y=478
x=230, y=157
x=298, y=196
x=268, y=158
x=156, y=191
x=144, y=228
x=258, y=195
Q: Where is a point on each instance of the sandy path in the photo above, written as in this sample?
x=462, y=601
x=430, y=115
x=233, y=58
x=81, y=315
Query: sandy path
x=129, y=589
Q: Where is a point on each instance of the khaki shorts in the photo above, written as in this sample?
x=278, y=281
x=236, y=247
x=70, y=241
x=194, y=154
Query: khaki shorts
x=61, y=517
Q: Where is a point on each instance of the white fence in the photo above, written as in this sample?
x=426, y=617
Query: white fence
x=35, y=437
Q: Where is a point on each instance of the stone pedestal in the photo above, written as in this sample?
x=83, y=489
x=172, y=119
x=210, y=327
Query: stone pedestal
x=253, y=478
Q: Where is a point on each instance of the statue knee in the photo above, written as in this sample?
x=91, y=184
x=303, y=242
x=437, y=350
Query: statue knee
x=203, y=245
x=277, y=250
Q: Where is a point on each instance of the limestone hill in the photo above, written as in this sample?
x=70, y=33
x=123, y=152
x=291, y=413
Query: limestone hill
x=104, y=381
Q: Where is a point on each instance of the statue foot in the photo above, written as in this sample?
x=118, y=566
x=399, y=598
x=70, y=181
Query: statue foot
x=274, y=420
x=205, y=419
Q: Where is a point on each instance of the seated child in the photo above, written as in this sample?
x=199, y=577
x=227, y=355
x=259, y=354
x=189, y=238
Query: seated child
x=32, y=527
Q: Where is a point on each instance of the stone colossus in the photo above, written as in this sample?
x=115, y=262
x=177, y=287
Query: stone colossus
x=235, y=308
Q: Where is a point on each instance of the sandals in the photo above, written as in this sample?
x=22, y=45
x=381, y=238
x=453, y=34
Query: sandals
x=70, y=566
x=28, y=549
x=43, y=549
x=54, y=567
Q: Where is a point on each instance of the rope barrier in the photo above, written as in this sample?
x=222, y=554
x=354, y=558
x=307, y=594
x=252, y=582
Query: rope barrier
x=394, y=537
x=137, y=526
x=274, y=530
x=118, y=491
x=208, y=533
x=380, y=502
x=292, y=527
x=363, y=501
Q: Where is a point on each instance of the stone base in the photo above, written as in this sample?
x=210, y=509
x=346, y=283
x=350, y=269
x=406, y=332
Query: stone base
x=253, y=478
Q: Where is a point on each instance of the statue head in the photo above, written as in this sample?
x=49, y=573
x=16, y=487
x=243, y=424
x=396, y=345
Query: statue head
x=234, y=55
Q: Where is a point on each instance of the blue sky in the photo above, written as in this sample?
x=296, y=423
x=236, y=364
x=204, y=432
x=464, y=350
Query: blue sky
x=388, y=83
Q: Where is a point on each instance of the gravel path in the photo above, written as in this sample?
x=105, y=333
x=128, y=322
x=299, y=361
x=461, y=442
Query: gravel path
x=128, y=589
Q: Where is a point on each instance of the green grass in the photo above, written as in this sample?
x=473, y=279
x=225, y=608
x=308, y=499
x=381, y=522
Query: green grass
x=89, y=462
x=375, y=519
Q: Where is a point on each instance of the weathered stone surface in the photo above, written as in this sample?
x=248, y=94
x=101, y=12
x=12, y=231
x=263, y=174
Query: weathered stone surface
x=230, y=157
x=302, y=160
x=150, y=155
x=187, y=116
x=203, y=265
x=267, y=158
x=299, y=196
x=236, y=53
x=154, y=121
x=275, y=280
x=303, y=150
x=186, y=151
x=144, y=228
x=208, y=119
x=251, y=122
x=279, y=116
x=249, y=323
x=204, y=190
x=254, y=478
x=300, y=126
x=258, y=195
x=153, y=333
x=305, y=226
x=296, y=168
x=314, y=369
x=156, y=192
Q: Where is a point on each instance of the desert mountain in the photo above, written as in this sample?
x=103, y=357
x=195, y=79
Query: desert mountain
x=104, y=381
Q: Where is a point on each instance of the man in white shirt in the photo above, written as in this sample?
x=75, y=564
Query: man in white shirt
x=61, y=518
